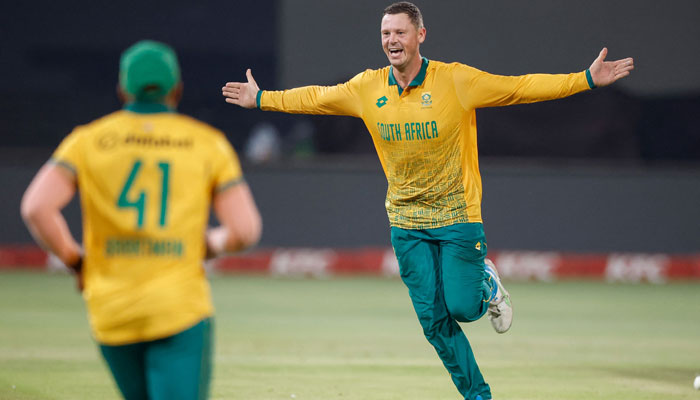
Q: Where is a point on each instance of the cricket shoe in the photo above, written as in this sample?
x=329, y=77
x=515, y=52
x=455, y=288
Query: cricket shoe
x=500, y=311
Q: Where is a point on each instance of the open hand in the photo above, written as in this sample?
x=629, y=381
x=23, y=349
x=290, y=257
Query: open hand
x=606, y=72
x=242, y=93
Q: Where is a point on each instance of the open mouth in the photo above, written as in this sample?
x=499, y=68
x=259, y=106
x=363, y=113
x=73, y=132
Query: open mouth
x=395, y=52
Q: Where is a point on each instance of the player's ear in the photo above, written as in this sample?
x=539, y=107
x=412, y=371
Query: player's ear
x=123, y=98
x=421, y=35
x=175, y=94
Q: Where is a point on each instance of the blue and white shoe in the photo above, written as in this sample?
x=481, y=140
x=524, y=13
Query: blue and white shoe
x=500, y=311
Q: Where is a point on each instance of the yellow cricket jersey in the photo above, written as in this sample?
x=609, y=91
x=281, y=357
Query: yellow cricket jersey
x=425, y=135
x=146, y=177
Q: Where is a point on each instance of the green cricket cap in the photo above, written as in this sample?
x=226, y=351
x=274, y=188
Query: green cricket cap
x=148, y=70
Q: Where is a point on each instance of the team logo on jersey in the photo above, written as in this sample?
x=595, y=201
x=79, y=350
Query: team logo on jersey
x=107, y=141
x=381, y=102
x=426, y=99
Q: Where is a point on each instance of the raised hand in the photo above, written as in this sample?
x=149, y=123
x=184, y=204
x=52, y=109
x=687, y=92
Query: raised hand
x=606, y=72
x=242, y=93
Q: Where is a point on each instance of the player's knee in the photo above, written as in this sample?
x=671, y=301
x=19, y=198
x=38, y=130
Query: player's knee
x=466, y=311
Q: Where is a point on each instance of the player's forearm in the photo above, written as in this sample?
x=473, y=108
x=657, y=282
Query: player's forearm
x=50, y=230
x=222, y=239
x=50, y=190
x=241, y=224
x=541, y=87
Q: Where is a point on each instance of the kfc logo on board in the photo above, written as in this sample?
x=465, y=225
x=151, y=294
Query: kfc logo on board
x=527, y=265
x=636, y=268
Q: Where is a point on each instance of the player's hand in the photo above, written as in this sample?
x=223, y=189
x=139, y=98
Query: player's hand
x=242, y=93
x=76, y=267
x=79, y=281
x=606, y=72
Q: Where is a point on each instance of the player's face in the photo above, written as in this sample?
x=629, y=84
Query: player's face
x=401, y=40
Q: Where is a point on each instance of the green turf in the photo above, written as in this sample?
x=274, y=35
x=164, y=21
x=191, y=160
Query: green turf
x=357, y=339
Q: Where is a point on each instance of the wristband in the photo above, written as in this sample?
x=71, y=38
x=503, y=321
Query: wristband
x=589, y=79
x=257, y=98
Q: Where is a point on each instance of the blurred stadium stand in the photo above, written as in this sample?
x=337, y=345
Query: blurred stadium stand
x=561, y=205
x=616, y=169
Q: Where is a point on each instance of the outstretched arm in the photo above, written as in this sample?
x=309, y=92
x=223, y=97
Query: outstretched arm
x=605, y=73
x=488, y=90
x=341, y=99
x=242, y=93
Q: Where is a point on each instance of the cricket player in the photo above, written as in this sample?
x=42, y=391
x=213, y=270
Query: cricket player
x=421, y=115
x=147, y=177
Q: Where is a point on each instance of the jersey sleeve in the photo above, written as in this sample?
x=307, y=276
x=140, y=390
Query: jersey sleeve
x=69, y=153
x=227, y=168
x=478, y=89
x=341, y=99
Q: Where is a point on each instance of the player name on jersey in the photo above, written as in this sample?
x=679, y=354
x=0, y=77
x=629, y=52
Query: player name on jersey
x=409, y=131
x=157, y=141
x=144, y=247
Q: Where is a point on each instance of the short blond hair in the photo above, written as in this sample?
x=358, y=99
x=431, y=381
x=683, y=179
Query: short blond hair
x=407, y=8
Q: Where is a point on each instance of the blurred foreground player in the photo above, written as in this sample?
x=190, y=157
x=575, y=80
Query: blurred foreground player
x=421, y=115
x=147, y=177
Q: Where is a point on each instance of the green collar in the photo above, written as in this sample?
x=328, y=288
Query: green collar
x=147, y=108
x=417, y=81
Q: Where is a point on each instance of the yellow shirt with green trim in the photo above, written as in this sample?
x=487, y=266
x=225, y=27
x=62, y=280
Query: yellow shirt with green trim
x=425, y=135
x=146, y=178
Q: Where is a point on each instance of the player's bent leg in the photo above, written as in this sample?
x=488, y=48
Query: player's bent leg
x=462, y=251
x=179, y=367
x=462, y=254
x=466, y=291
x=127, y=366
x=500, y=310
x=418, y=256
x=468, y=305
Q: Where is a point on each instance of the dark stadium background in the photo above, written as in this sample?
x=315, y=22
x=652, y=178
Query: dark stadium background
x=616, y=169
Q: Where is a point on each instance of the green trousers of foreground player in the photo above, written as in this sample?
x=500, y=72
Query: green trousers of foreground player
x=174, y=368
x=443, y=269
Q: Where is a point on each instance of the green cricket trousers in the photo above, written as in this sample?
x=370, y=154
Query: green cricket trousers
x=443, y=269
x=177, y=367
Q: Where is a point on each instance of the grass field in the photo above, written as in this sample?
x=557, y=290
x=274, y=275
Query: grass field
x=357, y=339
